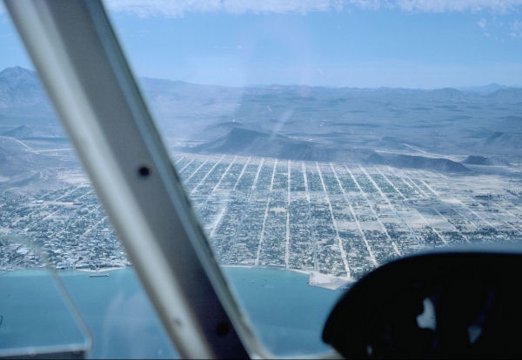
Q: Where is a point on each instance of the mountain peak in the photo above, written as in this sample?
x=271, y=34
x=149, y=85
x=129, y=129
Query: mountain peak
x=16, y=70
x=17, y=74
x=20, y=87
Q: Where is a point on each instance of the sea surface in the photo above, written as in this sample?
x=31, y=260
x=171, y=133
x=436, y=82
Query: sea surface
x=286, y=313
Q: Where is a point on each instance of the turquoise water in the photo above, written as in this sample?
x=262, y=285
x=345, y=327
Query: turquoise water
x=33, y=314
x=286, y=313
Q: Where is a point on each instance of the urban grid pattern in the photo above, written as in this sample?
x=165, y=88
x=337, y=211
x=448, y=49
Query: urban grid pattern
x=333, y=218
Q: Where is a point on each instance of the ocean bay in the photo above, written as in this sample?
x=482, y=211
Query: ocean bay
x=286, y=313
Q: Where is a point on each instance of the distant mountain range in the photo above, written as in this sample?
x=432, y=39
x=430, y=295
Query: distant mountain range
x=249, y=142
x=482, y=160
x=19, y=87
x=418, y=162
x=306, y=122
x=21, y=94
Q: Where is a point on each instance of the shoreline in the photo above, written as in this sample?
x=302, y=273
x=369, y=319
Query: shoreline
x=315, y=278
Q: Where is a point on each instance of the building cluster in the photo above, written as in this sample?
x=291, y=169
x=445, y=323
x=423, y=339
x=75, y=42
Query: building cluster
x=333, y=218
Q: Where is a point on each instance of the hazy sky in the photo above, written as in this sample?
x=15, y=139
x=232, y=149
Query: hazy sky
x=403, y=43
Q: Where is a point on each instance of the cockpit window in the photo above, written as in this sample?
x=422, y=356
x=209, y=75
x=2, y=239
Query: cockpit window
x=316, y=140
x=320, y=140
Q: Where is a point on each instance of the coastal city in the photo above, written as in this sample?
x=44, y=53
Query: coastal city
x=340, y=220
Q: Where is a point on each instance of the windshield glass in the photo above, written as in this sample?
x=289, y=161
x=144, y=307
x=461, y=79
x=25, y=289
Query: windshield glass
x=320, y=140
x=317, y=140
